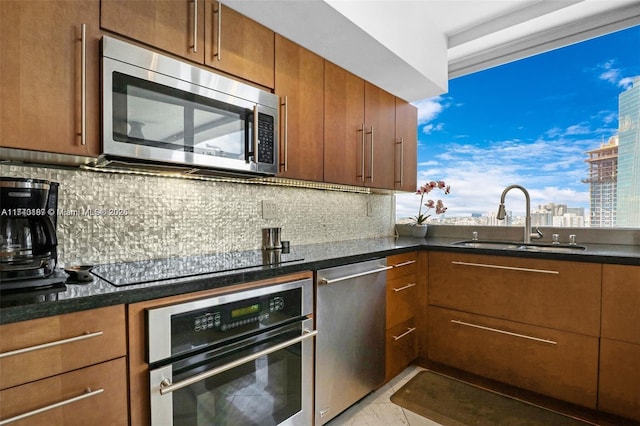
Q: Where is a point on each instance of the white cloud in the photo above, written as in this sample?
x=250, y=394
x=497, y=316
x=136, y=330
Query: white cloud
x=627, y=82
x=428, y=109
x=429, y=128
x=479, y=174
x=577, y=129
x=608, y=72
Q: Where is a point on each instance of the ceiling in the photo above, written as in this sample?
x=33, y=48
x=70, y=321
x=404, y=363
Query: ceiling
x=411, y=48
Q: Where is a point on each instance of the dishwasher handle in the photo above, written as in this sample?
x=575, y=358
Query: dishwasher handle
x=361, y=274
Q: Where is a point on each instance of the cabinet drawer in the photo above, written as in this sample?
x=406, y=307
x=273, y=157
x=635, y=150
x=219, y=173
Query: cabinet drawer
x=619, y=391
x=555, y=363
x=400, y=347
x=556, y=294
x=403, y=264
x=69, y=342
x=104, y=387
x=621, y=302
x=401, y=299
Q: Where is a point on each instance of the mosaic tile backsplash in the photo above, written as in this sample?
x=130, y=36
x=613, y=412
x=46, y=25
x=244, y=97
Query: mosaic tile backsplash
x=107, y=217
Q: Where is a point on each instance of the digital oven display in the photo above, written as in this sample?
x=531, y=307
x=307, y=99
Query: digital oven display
x=246, y=310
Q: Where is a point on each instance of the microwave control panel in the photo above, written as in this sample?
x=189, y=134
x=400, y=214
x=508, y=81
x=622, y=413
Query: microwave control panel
x=266, y=139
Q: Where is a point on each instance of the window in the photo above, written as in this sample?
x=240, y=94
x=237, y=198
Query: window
x=564, y=124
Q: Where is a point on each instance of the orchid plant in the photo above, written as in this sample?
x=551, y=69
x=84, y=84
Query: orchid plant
x=421, y=218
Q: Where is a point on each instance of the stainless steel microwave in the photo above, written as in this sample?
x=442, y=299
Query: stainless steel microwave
x=161, y=110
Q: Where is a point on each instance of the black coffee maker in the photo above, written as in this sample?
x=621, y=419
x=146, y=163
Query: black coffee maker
x=28, y=241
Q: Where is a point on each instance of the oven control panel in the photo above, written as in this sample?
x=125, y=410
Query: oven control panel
x=237, y=316
x=202, y=324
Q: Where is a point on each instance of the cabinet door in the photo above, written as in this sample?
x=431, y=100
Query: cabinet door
x=550, y=293
x=95, y=395
x=406, y=158
x=402, y=299
x=41, y=74
x=621, y=302
x=238, y=45
x=380, y=129
x=403, y=264
x=73, y=341
x=299, y=84
x=400, y=348
x=175, y=26
x=619, y=390
x=343, y=126
x=551, y=362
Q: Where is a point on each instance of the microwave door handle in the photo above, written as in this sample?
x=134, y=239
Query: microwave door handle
x=167, y=387
x=247, y=137
x=255, y=134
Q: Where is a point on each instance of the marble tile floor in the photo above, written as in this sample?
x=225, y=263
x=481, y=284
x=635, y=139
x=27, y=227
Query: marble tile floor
x=377, y=410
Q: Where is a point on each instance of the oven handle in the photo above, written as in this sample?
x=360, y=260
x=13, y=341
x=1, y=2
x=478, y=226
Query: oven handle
x=167, y=387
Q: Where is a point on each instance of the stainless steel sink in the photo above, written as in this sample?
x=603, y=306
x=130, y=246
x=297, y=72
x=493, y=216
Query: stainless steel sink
x=551, y=248
x=496, y=245
x=505, y=245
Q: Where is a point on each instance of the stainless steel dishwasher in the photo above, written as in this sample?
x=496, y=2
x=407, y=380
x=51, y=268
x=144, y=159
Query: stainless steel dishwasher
x=350, y=317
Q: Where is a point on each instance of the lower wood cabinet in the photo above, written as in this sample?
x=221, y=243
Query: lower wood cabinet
x=73, y=341
x=559, y=364
x=619, y=391
x=402, y=295
x=550, y=293
x=400, y=348
x=70, y=368
x=95, y=395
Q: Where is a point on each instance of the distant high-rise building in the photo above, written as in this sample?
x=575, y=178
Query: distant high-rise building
x=603, y=169
x=628, y=204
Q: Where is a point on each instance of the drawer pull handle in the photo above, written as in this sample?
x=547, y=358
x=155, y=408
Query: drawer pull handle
x=51, y=344
x=404, y=287
x=408, y=262
x=88, y=393
x=511, y=268
x=495, y=330
x=409, y=331
x=83, y=85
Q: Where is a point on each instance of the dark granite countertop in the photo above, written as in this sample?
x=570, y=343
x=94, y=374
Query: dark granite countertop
x=100, y=292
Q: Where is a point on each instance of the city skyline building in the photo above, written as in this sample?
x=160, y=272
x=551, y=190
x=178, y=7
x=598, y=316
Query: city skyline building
x=602, y=180
x=628, y=176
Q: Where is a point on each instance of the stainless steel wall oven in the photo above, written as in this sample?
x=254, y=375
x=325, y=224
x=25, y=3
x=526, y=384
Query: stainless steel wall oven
x=244, y=358
x=158, y=109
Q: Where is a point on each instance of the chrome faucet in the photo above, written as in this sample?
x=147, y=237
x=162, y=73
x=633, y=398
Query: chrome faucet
x=502, y=213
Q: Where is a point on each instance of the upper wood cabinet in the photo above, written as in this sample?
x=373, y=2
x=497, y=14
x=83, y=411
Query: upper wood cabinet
x=343, y=126
x=370, y=136
x=198, y=30
x=380, y=131
x=238, y=45
x=406, y=154
x=299, y=84
x=42, y=73
x=174, y=26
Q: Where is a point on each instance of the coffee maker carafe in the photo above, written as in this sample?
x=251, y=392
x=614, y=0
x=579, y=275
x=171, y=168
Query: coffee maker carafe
x=28, y=241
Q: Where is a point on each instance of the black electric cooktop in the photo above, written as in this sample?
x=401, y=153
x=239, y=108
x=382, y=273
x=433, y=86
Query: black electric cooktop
x=143, y=271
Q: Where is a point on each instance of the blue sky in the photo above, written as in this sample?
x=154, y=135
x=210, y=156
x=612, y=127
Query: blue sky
x=528, y=122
